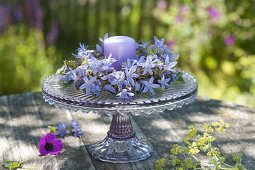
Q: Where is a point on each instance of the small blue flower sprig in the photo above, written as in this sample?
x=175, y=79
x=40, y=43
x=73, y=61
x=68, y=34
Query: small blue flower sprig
x=62, y=130
x=93, y=72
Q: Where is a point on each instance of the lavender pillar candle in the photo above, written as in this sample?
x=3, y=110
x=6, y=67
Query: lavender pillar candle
x=121, y=48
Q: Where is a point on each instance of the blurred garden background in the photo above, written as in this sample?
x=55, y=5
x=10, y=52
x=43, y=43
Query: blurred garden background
x=215, y=39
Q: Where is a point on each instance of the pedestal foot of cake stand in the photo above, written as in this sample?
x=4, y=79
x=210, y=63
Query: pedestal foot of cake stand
x=121, y=144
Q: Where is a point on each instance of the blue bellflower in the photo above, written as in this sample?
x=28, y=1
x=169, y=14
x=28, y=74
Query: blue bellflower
x=107, y=62
x=125, y=94
x=61, y=130
x=70, y=76
x=130, y=74
x=109, y=88
x=77, y=132
x=74, y=123
x=130, y=63
x=81, y=51
x=148, y=65
x=149, y=86
x=118, y=78
x=76, y=129
x=91, y=85
x=164, y=82
x=143, y=47
x=169, y=65
x=161, y=48
x=159, y=44
x=99, y=48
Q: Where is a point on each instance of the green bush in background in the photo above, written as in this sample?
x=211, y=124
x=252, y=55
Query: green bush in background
x=215, y=41
x=23, y=60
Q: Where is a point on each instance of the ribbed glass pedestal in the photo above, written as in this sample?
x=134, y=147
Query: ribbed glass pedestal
x=121, y=144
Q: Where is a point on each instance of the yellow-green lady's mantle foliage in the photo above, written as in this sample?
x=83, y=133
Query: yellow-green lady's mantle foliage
x=183, y=156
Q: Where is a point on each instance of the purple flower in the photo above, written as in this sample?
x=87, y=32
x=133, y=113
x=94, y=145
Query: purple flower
x=105, y=36
x=107, y=62
x=213, y=13
x=183, y=9
x=109, y=88
x=76, y=129
x=81, y=51
x=229, y=40
x=34, y=12
x=18, y=15
x=99, y=48
x=137, y=86
x=162, y=4
x=148, y=65
x=130, y=74
x=77, y=132
x=96, y=65
x=169, y=64
x=164, y=82
x=158, y=43
x=5, y=19
x=130, y=63
x=61, y=130
x=160, y=47
x=174, y=77
x=81, y=70
x=179, y=18
x=171, y=43
x=125, y=94
x=52, y=36
x=143, y=47
x=49, y=144
x=70, y=75
x=91, y=85
x=118, y=78
x=149, y=86
x=74, y=123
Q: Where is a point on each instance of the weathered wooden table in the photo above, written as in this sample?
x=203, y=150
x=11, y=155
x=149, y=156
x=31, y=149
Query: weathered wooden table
x=25, y=117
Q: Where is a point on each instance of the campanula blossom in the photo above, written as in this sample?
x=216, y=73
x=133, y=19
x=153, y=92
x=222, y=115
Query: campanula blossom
x=150, y=86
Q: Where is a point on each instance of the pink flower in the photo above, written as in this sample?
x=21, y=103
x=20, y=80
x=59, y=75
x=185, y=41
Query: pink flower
x=229, y=40
x=49, y=144
x=213, y=13
x=181, y=12
x=183, y=9
x=162, y=4
x=179, y=18
x=170, y=43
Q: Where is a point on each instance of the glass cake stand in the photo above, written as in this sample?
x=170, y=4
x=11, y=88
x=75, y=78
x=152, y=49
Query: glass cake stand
x=121, y=144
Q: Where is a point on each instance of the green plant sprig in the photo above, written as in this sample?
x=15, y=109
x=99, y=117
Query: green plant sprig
x=196, y=141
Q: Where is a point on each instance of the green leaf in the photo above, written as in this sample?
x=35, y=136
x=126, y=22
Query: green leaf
x=12, y=165
x=192, y=131
x=189, y=163
x=237, y=158
x=70, y=63
x=197, y=140
x=59, y=71
x=160, y=164
x=176, y=149
x=179, y=77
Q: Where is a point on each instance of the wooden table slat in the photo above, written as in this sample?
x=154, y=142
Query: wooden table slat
x=25, y=117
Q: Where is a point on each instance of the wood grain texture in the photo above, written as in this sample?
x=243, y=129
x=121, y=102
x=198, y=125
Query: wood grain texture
x=25, y=117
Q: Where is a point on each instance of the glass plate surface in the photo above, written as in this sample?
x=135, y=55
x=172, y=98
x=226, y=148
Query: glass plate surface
x=179, y=94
